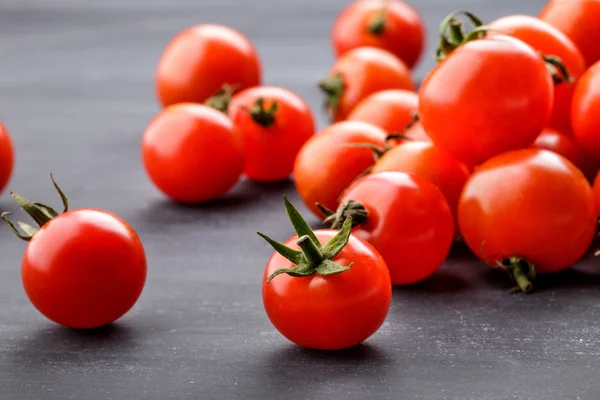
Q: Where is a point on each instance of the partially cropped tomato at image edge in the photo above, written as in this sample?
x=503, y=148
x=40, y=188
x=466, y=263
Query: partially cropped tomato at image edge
x=326, y=289
x=553, y=140
x=7, y=157
x=83, y=268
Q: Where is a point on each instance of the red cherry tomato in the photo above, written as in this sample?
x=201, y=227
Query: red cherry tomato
x=585, y=116
x=340, y=295
x=275, y=123
x=359, y=73
x=417, y=132
x=548, y=40
x=405, y=217
x=82, y=269
x=328, y=163
x=193, y=153
x=553, y=140
x=528, y=206
x=200, y=60
x=578, y=19
x=597, y=193
x=488, y=96
x=7, y=157
x=392, y=25
x=426, y=160
x=391, y=110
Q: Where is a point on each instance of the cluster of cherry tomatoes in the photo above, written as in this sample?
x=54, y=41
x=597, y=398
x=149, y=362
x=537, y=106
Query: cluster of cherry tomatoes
x=498, y=148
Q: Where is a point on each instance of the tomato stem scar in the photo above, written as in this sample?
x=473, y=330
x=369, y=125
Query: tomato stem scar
x=377, y=24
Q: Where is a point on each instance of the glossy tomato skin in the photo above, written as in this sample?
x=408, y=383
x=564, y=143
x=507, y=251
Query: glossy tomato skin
x=367, y=70
x=488, y=96
x=426, y=160
x=84, y=269
x=403, y=31
x=597, y=193
x=7, y=157
x=409, y=223
x=198, y=61
x=193, y=153
x=271, y=150
x=585, y=116
x=327, y=163
x=329, y=312
x=391, y=110
x=553, y=140
x=578, y=19
x=528, y=203
x=549, y=41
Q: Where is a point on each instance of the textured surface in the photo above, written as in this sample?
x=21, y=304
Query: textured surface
x=76, y=92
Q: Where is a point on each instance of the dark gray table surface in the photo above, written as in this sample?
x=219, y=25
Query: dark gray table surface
x=76, y=91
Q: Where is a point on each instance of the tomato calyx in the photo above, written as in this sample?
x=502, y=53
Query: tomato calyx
x=333, y=87
x=454, y=35
x=39, y=212
x=350, y=208
x=220, y=101
x=520, y=270
x=262, y=115
x=557, y=69
x=377, y=24
x=313, y=258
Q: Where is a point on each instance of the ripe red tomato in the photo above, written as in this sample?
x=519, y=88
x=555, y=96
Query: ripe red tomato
x=597, y=192
x=328, y=163
x=426, y=160
x=200, y=60
x=553, y=140
x=193, y=153
x=359, y=73
x=548, y=40
x=82, y=269
x=333, y=294
x=417, y=132
x=585, y=116
x=275, y=123
x=391, y=110
x=7, y=157
x=468, y=109
x=392, y=25
x=405, y=217
x=578, y=19
x=528, y=206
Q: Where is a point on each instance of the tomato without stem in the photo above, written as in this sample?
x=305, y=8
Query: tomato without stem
x=392, y=25
x=585, y=116
x=193, y=153
x=548, y=40
x=201, y=59
x=83, y=268
x=553, y=140
x=359, y=73
x=528, y=211
x=391, y=110
x=7, y=157
x=329, y=161
x=325, y=290
x=405, y=217
x=275, y=123
x=578, y=19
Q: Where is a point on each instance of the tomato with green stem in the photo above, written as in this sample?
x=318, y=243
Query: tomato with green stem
x=329, y=161
x=203, y=58
x=193, y=153
x=553, y=140
x=359, y=73
x=528, y=211
x=392, y=25
x=325, y=289
x=275, y=123
x=7, y=157
x=83, y=268
x=405, y=217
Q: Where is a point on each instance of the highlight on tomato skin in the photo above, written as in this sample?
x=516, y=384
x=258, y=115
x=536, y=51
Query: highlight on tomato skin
x=7, y=157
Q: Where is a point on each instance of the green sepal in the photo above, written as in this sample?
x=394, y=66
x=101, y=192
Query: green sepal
x=299, y=223
x=339, y=241
x=293, y=255
x=328, y=267
x=299, y=271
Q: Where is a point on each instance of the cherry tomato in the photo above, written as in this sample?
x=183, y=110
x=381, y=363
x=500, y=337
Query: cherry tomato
x=7, y=157
x=83, y=268
x=391, y=110
x=553, y=140
x=333, y=294
x=275, y=123
x=359, y=73
x=585, y=116
x=528, y=207
x=417, y=132
x=193, y=153
x=200, y=60
x=405, y=217
x=597, y=192
x=578, y=19
x=392, y=25
x=328, y=162
x=548, y=40
x=426, y=160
